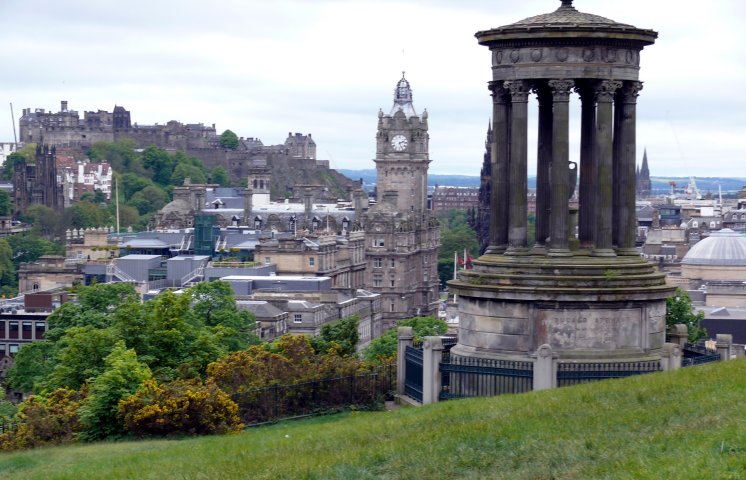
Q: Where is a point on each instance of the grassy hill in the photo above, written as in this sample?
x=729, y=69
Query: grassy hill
x=689, y=424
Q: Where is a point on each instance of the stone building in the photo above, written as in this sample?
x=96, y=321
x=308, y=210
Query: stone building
x=402, y=236
x=48, y=272
x=38, y=183
x=67, y=128
x=339, y=257
x=301, y=146
x=454, y=198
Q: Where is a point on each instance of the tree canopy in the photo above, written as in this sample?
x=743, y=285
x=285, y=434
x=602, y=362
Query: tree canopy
x=679, y=309
x=229, y=140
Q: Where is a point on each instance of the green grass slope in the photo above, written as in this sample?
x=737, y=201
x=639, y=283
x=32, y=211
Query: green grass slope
x=689, y=424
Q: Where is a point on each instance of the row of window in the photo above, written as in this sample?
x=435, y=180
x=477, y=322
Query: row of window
x=21, y=329
x=8, y=349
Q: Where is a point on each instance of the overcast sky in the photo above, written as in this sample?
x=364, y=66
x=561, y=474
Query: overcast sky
x=264, y=68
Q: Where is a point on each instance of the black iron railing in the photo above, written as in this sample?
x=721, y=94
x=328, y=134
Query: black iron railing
x=317, y=397
x=570, y=373
x=697, y=354
x=479, y=377
x=413, y=372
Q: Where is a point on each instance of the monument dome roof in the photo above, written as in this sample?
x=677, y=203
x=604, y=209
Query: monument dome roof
x=566, y=14
x=567, y=23
x=721, y=248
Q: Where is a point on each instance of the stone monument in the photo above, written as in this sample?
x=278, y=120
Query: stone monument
x=589, y=296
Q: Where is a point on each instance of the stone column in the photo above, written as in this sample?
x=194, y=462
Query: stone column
x=405, y=338
x=587, y=193
x=432, y=352
x=517, y=226
x=626, y=221
x=499, y=157
x=543, y=161
x=604, y=152
x=559, y=221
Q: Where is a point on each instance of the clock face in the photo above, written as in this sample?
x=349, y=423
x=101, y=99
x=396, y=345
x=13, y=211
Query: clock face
x=399, y=143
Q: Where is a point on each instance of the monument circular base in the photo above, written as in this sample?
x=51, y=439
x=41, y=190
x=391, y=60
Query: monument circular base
x=586, y=308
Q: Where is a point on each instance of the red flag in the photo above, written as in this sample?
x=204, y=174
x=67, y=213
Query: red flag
x=461, y=264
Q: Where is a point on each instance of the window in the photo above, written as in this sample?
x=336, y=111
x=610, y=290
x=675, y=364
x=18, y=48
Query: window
x=391, y=307
x=2, y=329
x=377, y=262
x=3, y=351
x=393, y=263
x=392, y=282
x=41, y=327
x=311, y=261
x=298, y=318
x=425, y=276
x=13, y=329
x=377, y=280
x=267, y=260
x=35, y=287
x=27, y=327
x=13, y=348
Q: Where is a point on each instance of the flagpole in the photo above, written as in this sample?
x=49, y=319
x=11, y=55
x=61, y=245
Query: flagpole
x=455, y=270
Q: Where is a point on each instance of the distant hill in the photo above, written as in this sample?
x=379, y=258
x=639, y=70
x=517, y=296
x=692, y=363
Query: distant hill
x=369, y=178
x=659, y=184
x=704, y=184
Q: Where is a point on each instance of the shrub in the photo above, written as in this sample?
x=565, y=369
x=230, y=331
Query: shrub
x=186, y=407
x=45, y=420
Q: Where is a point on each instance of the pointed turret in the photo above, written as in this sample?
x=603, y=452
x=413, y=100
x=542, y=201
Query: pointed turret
x=403, y=98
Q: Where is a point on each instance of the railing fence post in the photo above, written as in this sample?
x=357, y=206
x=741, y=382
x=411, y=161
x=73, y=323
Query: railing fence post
x=432, y=352
x=545, y=368
x=405, y=336
x=670, y=356
x=723, y=343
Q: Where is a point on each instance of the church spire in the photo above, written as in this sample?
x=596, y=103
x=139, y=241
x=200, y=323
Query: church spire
x=645, y=171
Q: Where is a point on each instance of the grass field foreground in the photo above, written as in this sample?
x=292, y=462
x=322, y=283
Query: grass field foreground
x=689, y=424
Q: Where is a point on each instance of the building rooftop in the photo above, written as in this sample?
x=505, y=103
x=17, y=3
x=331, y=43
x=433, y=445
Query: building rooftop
x=721, y=248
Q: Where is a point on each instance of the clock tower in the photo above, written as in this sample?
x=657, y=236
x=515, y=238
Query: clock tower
x=402, y=236
x=402, y=157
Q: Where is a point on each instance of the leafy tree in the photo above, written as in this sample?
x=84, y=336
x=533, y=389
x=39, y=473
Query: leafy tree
x=121, y=378
x=121, y=155
x=149, y=199
x=679, y=309
x=26, y=154
x=229, y=140
x=5, y=204
x=32, y=364
x=129, y=183
x=81, y=356
x=159, y=163
x=184, y=170
x=84, y=214
x=104, y=297
x=455, y=235
x=45, y=220
x=343, y=333
x=28, y=247
x=384, y=347
x=220, y=176
x=8, y=281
